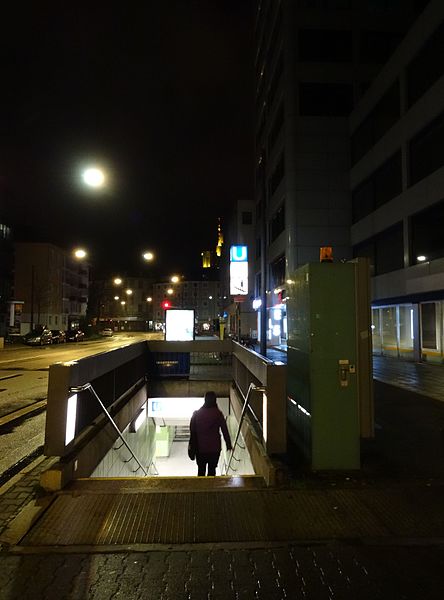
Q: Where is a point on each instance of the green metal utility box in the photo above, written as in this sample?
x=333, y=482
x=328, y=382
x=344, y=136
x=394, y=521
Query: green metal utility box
x=328, y=363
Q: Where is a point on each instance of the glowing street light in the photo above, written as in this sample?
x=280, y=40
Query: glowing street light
x=80, y=253
x=149, y=299
x=116, y=297
x=170, y=291
x=148, y=256
x=93, y=177
x=174, y=279
x=117, y=281
x=128, y=292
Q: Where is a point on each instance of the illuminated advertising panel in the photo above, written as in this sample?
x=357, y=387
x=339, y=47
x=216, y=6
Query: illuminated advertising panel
x=177, y=408
x=179, y=325
x=238, y=270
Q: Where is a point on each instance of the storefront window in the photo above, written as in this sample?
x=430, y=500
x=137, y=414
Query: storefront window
x=431, y=319
x=406, y=331
x=428, y=325
x=376, y=331
x=389, y=337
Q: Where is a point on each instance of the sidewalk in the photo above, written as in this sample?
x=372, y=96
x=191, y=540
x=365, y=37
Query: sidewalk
x=379, y=534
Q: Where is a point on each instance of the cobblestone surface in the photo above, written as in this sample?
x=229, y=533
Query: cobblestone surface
x=317, y=572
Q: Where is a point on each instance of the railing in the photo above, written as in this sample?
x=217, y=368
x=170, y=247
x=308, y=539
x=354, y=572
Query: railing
x=245, y=407
x=88, y=386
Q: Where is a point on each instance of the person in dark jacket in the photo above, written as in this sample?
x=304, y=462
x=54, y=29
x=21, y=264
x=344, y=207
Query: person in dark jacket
x=206, y=424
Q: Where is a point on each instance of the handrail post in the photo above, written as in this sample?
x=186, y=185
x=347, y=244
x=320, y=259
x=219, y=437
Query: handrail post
x=251, y=388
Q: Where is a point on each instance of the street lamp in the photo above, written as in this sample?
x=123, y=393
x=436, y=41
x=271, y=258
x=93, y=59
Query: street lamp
x=93, y=177
x=148, y=256
x=117, y=281
x=80, y=253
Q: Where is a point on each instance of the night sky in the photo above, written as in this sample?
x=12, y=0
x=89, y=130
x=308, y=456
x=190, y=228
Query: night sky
x=160, y=94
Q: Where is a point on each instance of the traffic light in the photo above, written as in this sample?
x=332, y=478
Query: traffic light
x=166, y=304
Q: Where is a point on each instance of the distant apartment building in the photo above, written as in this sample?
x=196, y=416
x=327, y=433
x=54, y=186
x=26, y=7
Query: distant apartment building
x=397, y=182
x=51, y=285
x=6, y=280
x=202, y=296
x=315, y=60
x=125, y=304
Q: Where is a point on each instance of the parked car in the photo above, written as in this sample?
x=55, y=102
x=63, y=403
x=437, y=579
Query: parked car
x=107, y=332
x=74, y=335
x=38, y=337
x=58, y=336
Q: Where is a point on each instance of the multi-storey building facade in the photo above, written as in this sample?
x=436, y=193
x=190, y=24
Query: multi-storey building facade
x=315, y=59
x=123, y=303
x=51, y=285
x=397, y=181
x=6, y=269
x=202, y=296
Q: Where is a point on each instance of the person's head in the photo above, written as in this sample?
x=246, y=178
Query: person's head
x=210, y=399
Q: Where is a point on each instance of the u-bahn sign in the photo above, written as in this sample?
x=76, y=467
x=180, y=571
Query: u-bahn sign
x=238, y=270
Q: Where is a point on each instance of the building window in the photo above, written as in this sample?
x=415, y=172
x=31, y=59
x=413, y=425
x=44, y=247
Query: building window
x=278, y=271
x=247, y=217
x=383, y=185
x=425, y=68
x=377, y=123
x=325, y=45
x=427, y=150
x=274, y=84
x=428, y=325
x=385, y=250
x=277, y=223
x=276, y=128
x=277, y=175
x=377, y=46
x=276, y=32
x=427, y=229
x=325, y=99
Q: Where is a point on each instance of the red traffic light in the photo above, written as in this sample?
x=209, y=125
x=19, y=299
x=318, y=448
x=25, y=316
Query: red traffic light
x=166, y=304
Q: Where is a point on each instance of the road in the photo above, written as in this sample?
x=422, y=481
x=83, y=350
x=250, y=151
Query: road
x=24, y=382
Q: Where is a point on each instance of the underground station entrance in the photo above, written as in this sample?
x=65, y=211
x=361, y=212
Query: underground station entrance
x=117, y=436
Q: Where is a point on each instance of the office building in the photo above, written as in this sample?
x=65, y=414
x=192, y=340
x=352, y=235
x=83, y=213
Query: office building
x=397, y=181
x=315, y=60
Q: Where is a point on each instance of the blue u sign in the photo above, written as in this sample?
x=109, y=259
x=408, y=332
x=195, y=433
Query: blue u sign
x=238, y=254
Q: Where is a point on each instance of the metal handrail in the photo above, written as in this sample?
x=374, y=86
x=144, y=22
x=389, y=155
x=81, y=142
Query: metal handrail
x=88, y=386
x=252, y=388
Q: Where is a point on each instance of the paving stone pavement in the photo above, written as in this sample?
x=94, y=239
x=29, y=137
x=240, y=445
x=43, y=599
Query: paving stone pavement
x=279, y=573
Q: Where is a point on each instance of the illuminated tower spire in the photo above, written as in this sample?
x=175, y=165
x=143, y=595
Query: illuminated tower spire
x=220, y=239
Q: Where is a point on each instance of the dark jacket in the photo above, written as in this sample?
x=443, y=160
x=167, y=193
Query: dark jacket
x=206, y=424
